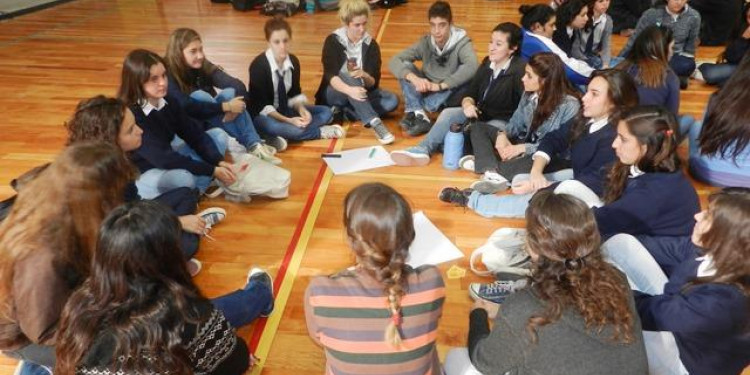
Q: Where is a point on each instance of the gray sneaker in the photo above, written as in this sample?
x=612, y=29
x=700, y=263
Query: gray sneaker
x=421, y=126
x=412, y=156
x=331, y=131
x=279, y=143
x=381, y=132
x=407, y=121
x=495, y=292
x=212, y=216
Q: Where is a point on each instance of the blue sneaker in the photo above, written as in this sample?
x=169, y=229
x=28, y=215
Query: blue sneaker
x=495, y=292
x=412, y=156
x=257, y=275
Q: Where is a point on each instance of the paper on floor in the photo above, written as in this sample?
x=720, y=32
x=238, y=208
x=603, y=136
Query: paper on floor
x=430, y=245
x=359, y=159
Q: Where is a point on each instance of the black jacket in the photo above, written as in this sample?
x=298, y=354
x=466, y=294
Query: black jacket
x=502, y=99
x=334, y=57
x=261, y=89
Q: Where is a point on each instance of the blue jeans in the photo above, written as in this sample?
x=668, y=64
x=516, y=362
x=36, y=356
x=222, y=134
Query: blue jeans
x=155, y=182
x=683, y=66
x=243, y=306
x=379, y=102
x=717, y=74
x=433, y=141
x=645, y=275
x=417, y=101
x=321, y=115
x=241, y=128
x=29, y=368
x=510, y=205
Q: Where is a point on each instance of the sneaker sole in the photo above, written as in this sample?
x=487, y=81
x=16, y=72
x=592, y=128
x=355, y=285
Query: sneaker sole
x=489, y=187
x=211, y=210
x=387, y=140
x=407, y=159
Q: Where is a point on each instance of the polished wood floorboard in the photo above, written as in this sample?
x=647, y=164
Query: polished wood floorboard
x=53, y=58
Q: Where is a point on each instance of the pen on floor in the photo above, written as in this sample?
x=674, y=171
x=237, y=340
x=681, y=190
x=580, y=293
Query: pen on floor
x=330, y=155
x=372, y=152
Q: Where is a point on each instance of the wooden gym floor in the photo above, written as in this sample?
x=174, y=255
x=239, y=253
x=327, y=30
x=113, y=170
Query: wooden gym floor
x=51, y=59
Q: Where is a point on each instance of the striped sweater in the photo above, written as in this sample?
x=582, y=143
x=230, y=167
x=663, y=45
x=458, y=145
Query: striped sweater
x=347, y=314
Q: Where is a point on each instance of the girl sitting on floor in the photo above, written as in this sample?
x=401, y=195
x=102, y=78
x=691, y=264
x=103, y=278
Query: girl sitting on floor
x=692, y=292
x=176, y=151
x=277, y=103
x=192, y=82
x=380, y=316
x=548, y=102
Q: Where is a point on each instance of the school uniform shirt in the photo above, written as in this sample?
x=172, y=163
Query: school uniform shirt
x=596, y=40
x=197, y=79
x=577, y=71
x=264, y=81
x=708, y=320
x=685, y=27
x=334, y=56
x=497, y=90
x=653, y=204
x=347, y=314
x=591, y=155
x=667, y=95
x=160, y=125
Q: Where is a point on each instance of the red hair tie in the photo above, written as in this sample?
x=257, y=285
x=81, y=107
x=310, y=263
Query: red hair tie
x=396, y=318
x=669, y=132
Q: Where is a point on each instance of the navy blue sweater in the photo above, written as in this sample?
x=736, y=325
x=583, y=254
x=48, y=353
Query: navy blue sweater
x=707, y=320
x=653, y=204
x=159, y=128
x=667, y=95
x=591, y=154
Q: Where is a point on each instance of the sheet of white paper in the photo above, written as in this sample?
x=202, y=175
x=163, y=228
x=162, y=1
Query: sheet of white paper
x=359, y=159
x=430, y=245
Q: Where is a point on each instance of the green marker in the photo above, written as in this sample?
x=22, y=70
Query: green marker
x=372, y=152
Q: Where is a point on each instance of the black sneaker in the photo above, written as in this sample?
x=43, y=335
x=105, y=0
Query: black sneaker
x=420, y=126
x=259, y=276
x=684, y=82
x=408, y=121
x=455, y=196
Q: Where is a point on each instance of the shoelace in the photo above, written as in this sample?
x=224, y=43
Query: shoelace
x=500, y=287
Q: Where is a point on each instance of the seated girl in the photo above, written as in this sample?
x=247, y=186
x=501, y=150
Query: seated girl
x=277, y=103
x=380, y=316
x=351, y=71
x=47, y=248
x=576, y=317
x=587, y=139
x=192, y=81
x=594, y=41
x=492, y=97
x=548, y=102
x=139, y=311
x=719, y=150
x=176, y=151
x=692, y=292
x=739, y=43
x=538, y=23
x=645, y=192
x=109, y=120
x=572, y=16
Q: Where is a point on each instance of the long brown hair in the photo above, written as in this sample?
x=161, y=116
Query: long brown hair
x=726, y=129
x=175, y=59
x=139, y=292
x=621, y=94
x=380, y=229
x=96, y=119
x=649, y=57
x=728, y=238
x=656, y=128
x=570, y=271
x=554, y=86
x=63, y=208
x=136, y=70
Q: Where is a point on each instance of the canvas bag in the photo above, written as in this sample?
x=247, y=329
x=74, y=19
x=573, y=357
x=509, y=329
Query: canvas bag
x=502, y=253
x=255, y=177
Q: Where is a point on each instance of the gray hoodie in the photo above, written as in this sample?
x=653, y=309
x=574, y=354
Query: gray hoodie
x=455, y=66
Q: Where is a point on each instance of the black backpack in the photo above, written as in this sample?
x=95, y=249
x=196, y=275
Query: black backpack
x=244, y=5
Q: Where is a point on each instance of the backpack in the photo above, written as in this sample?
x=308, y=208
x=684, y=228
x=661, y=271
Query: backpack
x=255, y=177
x=503, y=253
x=244, y=5
x=283, y=7
x=328, y=4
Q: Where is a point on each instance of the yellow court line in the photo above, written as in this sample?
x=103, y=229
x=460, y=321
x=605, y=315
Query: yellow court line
x=282, y=295
x=413, y=177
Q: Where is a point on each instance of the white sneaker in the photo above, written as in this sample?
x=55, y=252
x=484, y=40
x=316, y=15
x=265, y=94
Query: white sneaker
x=334, y=131
x=194, y=267
x=411, y=157
x=381, y=132
x=279, y=143
x=264, y=154
x=466, y=163
x=491, y=183
x=212, y=216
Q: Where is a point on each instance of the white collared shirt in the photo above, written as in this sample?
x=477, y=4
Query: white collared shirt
x=635, y=172
x=594, y=126
x=707, y=268
x=497, y=69
x=147, y=107
x=286, y=71
x=569, y=30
